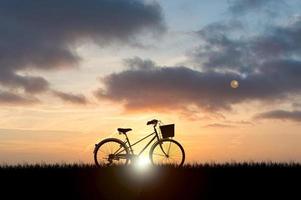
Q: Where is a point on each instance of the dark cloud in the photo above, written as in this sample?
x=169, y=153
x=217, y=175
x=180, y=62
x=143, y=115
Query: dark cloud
x=44, y=34
x=231, y=45
x=8, y=98
x=30, y=84
x=179, y=87
x=137, y=63
x=223, y=51
x=71, y=98
x=281, y=115
x=279, y=41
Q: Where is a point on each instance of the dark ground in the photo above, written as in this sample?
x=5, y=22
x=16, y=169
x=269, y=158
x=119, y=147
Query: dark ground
x=228, y=181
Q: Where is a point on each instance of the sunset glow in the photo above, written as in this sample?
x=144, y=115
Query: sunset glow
x=226, y=73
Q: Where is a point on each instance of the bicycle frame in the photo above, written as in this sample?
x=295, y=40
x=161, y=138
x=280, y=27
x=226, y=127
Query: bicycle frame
x=127, y=142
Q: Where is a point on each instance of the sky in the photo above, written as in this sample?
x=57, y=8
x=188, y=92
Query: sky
x=72, y=72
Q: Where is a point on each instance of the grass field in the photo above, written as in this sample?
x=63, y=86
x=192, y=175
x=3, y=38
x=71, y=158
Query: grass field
x=207, y=181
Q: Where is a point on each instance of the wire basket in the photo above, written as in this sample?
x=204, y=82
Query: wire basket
x=167, y=130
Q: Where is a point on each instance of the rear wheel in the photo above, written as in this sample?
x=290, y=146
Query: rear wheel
x=167, y=152
x=111, y=151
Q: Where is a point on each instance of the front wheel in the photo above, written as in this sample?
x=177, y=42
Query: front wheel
x=111, y=151
x=167, y=152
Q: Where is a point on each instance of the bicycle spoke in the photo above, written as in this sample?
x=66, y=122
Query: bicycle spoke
x=168, y=148
x=173, y=159
x=101, y=151
x=106, y=146
x=176, y=156
x=110, y=146
x=120, y=150
x=159, y=154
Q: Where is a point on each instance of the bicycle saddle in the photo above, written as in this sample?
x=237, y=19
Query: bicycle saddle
x=123, y=130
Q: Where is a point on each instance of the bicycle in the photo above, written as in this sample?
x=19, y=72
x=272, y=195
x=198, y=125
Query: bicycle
x=165, y=151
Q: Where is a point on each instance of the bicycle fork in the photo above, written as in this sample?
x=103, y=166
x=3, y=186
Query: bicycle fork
x=166, y=154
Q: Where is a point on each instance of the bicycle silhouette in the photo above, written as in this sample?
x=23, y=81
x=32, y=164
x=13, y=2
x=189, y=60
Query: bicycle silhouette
x=165, y=151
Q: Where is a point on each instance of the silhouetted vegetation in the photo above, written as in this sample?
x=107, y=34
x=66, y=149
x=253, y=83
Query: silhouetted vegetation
x=206, y=181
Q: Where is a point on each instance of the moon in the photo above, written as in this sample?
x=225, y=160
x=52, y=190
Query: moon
x=234, y=84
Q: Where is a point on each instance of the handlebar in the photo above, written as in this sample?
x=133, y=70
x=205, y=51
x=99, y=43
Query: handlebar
x=154, y=122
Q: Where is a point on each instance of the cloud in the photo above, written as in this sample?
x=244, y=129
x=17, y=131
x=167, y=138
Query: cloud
x=266, y=63
x=281, y=115
x=221, y=50
x=137, y=63
x=224, y=51
x=239, y=122
x=8, y=98
x=241, y=45
x=44, y=34
x=71, y=98
x=268, y=59
x=30, y=84
x=178, y=87
x=217, y=125
x=296, y=105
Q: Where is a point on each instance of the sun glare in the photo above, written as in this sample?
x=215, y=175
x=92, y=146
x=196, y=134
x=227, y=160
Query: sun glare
x=142, y=162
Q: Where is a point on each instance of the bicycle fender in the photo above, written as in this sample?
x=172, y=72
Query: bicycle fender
x=95, y=148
